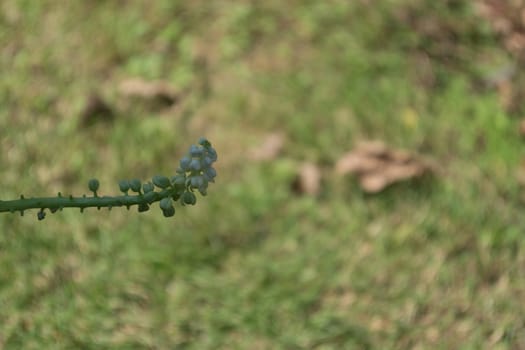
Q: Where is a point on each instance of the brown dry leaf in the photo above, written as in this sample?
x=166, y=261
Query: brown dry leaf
x=357, y=163
x=269, y=149
x=378, y=166
x=308, y=180
x=522, y=128
x=372, y=148
x=373, y=183
x=158, y=90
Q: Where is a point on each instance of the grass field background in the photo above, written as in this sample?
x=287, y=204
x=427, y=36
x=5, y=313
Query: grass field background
x=433, y=264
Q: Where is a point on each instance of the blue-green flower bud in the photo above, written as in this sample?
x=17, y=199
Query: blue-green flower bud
x=204, y=142
x=143, y=207
x=93, y=185
x=176, y=196
x=135, y=185
x=189, y=198
x=210, y=174
x=207, y=161
x=185, y=163
x=161, y=181
x=197, y=181
x=212, y=153
x=196, y=151
x=168, y=212
x=124, y=186
x=148, y=187
x=178, y=180
x=195, y=165
x=165, y=203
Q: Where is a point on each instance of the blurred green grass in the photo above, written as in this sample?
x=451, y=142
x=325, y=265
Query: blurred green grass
x=436, y=264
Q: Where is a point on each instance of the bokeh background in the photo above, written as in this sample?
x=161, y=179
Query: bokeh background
x=370, y=187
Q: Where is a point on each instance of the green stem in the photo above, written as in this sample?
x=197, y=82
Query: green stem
x=55, y=203
x=194, y=173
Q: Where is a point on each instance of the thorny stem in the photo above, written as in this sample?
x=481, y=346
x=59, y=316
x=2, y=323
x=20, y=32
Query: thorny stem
x=58, y=203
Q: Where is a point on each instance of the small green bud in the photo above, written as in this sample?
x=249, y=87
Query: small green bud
x=207, y=161
x=195, y=165
x=168, y=212
x=197, y=181
x=161, y=181
x=185, y=163
x=189, y=198
x=196, y=151
x=93, y=185
x=210, y=174
x=203, y=190
x=124, y=186
x=165, y=203
x=143, y=207
x=204, y=142
x=212, y=153
x=135, y=185
x=148, y=187
x=178, y=180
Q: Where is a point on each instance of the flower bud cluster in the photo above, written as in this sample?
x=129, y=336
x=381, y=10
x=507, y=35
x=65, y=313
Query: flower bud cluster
x=196, y=170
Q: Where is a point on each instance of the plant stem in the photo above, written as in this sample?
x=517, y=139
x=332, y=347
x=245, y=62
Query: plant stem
x=60, y=202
